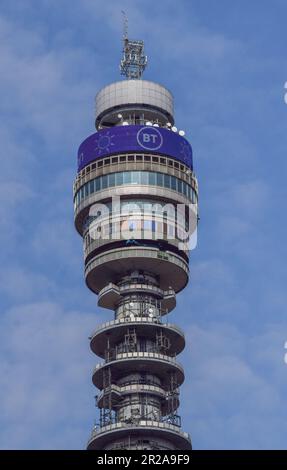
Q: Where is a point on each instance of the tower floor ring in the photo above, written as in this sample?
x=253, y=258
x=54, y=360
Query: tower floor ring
x=153, y=429
x=115, y=330
x=82, y=207
x=133, y=161
x=97, y=247
x=171, y=269
x=158, y=364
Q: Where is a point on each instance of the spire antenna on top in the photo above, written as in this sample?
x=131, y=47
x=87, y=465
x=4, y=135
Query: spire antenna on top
x=134, y=61
x=125, y=25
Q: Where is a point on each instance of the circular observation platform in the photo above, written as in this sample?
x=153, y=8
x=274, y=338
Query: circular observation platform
x=115, y=330
x=142, y=430
x=157, y=364
x=171, y=268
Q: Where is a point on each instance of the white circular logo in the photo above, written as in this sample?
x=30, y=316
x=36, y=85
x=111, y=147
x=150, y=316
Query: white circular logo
x=149, y=138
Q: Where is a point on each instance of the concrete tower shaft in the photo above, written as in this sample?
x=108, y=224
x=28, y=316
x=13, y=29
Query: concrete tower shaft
x=135, y=196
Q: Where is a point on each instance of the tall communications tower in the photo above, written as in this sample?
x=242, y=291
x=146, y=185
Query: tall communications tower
x=135, y=203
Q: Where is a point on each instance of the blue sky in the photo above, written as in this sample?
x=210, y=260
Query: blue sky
x=226, y=65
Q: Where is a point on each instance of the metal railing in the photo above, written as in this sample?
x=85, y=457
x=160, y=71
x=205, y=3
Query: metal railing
x=139, y=355
x=141, y=423
x=135, y=386
x=171, y=419
x=127, y=321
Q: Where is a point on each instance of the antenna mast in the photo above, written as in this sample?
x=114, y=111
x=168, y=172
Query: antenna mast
x=125, y=26
x=134, y=60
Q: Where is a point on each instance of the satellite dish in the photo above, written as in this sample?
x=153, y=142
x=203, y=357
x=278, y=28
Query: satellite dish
x=131, y=304
x=120, y=116
x=150, y=310
x=168, y=124
x=155, y=125
x=182, y=133
x=125, y=123
x=148, y=123
x=174, y=129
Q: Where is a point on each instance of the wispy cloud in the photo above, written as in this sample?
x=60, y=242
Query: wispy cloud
x=231, y=394
x=53, y=57
x=45, y=372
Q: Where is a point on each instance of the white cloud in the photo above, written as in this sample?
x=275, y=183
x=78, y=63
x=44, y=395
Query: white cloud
x=49, y=75
x=21, y=285
x=232, y=397
x=44, y=376
x=42, y=86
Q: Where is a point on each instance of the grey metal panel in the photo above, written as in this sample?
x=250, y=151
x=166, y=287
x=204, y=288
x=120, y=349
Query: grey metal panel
x=134, y=92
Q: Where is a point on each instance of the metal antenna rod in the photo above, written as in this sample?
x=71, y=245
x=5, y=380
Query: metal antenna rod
x=125, y=25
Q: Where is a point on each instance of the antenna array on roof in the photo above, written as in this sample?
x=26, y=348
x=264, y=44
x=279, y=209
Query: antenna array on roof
x=134, y=60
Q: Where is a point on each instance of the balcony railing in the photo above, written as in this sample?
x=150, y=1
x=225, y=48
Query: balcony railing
x=139, y=355
x=97, y=430
x=127, y=320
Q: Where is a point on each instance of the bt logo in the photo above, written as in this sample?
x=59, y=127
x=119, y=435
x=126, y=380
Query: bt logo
x=149, y=138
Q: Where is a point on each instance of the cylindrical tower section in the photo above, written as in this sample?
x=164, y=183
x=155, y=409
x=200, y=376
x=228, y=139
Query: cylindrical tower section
x=137, y=101
x=135, y=199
